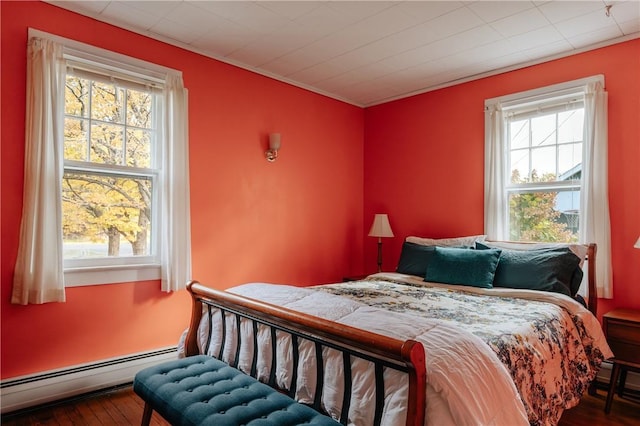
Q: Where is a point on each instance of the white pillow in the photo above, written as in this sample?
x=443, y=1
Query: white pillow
x=469, y=241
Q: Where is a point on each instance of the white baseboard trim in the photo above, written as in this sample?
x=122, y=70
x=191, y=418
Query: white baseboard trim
x=35, y=389
x=633, y=379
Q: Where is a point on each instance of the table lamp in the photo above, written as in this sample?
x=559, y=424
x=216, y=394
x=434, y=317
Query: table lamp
x=380, y=228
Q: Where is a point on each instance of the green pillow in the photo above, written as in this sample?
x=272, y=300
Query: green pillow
x=462, y=266
x=546, y=269
x=414, y=259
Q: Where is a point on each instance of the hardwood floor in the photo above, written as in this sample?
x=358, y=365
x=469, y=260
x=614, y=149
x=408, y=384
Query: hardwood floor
x=590, y=411
x=121, y=406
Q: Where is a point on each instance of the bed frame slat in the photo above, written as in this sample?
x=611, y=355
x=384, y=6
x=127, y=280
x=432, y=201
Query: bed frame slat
x=348, y=380
x=254, y=358
x=317, y=398
x=223, y=327
x=236, y=359
x=274, y=357
x=379, y=395
x=296, y=362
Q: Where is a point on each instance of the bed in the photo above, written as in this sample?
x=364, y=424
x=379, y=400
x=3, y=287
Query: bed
x=517, y=352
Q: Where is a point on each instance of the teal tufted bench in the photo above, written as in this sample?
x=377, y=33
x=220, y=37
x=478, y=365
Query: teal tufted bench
x=202, y=390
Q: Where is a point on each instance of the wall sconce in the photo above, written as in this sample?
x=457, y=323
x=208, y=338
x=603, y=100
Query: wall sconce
x=274, y=146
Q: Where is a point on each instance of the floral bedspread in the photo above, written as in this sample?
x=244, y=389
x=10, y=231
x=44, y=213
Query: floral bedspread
x=549, y=352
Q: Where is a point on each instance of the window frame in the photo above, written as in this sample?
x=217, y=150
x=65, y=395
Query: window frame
x=153, y=172
x=114, y=65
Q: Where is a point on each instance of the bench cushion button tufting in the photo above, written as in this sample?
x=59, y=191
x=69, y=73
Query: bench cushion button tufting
x=201, y=398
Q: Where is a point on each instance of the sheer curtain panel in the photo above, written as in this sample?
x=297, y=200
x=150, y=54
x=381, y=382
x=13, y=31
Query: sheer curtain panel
x=175, y=235
x=594, y=204
x=495, y=216
x=39, y=275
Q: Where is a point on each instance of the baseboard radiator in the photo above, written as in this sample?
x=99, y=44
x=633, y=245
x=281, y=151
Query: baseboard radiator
x=41, y=388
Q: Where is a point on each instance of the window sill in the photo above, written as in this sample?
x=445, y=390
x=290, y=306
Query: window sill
x=79, y=277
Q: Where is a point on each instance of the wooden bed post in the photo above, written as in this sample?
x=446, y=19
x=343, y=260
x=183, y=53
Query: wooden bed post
x=191, y=342
x=413, y=353
x=593, y=289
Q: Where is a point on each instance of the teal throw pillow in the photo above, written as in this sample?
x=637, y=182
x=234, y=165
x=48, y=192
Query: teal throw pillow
x=462, y=266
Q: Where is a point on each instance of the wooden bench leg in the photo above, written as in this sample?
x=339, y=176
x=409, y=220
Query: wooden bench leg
x=146, y=415
x=612, y=384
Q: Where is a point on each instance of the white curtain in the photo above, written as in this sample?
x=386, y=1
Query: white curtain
x=39, y=274
x=39, y=270
x=175, y=236
x=594, y=199
x=495, y=212
x=594, y=202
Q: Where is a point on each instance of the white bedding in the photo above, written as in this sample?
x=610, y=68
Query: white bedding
x=467, y=384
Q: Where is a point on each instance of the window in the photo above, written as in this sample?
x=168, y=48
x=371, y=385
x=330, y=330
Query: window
x=546, y=168
x=544, y=145
x=111, y=170
x=106, y=195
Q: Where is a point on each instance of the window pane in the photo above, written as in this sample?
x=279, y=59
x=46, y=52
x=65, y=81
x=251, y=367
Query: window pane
x=105, y=216
x=139, y=109
x=569, y=161
x=543, y=130
x=570, y=126
x=107, y=144
x=76, y=99
x=544, y=216
x=75, y=139
x=107, y=102
x=519, y=166
x=519, y=134
x=543, y=164
x=139, y=148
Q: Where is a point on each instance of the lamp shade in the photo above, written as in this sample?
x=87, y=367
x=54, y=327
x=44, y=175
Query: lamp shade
x=274, y=141
x=380, y=226
x=637, y=244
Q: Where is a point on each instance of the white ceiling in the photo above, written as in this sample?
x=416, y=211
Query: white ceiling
x=370, y=52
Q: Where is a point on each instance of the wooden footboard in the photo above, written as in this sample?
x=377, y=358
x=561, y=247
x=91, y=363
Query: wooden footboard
x=383, y=352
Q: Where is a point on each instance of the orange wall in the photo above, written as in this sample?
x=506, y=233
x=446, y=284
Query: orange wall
x=424, y=158
x=298, y=220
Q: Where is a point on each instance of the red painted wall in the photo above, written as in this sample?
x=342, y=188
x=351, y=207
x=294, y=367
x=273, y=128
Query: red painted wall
x=298, y=220
x=424, y=158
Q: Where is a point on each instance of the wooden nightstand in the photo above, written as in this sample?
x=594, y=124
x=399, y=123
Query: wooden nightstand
x=622, y=329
